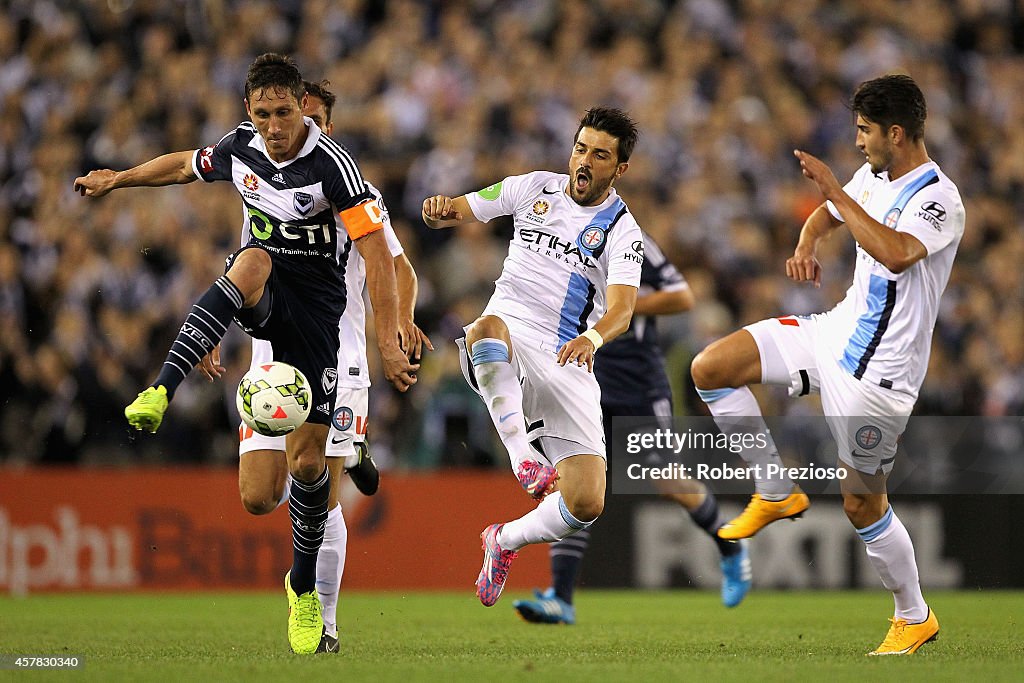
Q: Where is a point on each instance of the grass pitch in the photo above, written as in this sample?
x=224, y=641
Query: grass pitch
x=621, y=635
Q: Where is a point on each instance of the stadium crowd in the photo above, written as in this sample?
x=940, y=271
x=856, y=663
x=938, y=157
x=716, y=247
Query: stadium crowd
x=449, y=97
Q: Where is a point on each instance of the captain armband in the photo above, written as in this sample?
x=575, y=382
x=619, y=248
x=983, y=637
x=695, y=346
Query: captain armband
x=362, y=219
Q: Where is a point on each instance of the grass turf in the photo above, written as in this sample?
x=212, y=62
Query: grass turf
x=621, y=635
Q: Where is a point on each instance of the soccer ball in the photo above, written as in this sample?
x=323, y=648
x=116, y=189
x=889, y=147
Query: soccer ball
x=273, y=398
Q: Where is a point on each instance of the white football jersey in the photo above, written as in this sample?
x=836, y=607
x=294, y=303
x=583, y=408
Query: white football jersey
x=882, y=330
x=562, y=256
x=352, y=371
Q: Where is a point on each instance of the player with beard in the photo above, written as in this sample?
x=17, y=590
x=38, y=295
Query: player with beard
x=569, y=283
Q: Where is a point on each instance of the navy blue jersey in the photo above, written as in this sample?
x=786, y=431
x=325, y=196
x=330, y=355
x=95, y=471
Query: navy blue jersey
x=631, y=367
x=297, y=210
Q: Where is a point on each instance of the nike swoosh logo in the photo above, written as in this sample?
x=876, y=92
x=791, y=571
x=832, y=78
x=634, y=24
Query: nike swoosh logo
x=505, y=417
x=337, y=441
x=546, y=191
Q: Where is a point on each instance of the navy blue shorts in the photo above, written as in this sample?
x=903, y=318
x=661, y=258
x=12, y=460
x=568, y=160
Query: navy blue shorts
x=301, y=332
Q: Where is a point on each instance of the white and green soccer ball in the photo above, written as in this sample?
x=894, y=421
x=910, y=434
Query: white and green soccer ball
x=274, y=398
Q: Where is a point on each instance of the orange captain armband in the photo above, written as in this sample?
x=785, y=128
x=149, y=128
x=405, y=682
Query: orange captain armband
x=362, y=219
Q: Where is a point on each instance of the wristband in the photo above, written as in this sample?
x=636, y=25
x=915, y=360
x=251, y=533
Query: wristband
x=595, y=338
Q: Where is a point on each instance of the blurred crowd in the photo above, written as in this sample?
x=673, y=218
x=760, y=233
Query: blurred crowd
x=448, y=97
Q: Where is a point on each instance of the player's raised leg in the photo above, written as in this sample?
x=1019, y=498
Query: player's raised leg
x=490, y=351
x=721, y=374
x=578, y=501
x=204, y=327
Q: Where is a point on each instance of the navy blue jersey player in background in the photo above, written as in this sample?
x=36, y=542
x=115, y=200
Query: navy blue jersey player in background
x=631, y=372
x=307, y=204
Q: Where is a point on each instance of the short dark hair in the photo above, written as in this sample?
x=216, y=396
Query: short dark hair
x=320, y=90
x=892, y=100
x=276, y=71
x=616, y=123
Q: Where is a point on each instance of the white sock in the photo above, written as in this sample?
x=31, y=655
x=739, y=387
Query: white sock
x=736, y=411
x=287, y=492
x=549, y=521
x=330, y=565
x=502, y=394
x=892, y=553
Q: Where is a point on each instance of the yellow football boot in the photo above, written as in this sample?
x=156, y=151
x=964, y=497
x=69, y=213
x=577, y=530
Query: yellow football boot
x=146, y=412
x=759, y=513
x=305, y=623
x=905, y=639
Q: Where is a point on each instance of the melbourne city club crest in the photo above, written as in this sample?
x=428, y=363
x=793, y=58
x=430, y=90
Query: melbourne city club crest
x=592, y=238
x=868, y=437
x=342, y=418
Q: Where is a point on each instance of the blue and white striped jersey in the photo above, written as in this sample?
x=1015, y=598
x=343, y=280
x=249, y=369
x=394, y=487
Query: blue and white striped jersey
x=882, y=330
x=562, y=256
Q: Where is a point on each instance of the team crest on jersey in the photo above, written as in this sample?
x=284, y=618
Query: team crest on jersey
x=302, y=202
x=541, y=207
x=591, y=239
x=329, y=380
x=868, y=437
x=342, y=418
x=892, y=218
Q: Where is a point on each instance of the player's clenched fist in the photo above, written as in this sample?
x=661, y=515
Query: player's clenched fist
x=803, y=266
x=440, y=208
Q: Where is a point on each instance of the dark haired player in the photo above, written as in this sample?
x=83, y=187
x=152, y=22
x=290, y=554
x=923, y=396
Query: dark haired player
x=867, y=357
x=569, y=283
x=307, y=204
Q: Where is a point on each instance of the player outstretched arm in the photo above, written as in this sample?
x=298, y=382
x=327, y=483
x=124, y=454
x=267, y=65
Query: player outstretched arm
x=413, y=339
x=895, y=250
x=621, y=300
x=380, y=281
x=170, y=169
x=664, y=302
x=441, y=211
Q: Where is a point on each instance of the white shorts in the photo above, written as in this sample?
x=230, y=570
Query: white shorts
x=348, y=422
x=562, y=405
x=866, y=420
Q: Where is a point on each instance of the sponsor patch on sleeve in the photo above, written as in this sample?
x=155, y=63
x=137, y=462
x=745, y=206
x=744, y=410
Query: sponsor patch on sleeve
x=491, y=192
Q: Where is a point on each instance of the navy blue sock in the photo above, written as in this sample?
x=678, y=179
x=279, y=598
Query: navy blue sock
x=566, y=557
x=307, y=507
x=202, y=330
x=706, y=517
